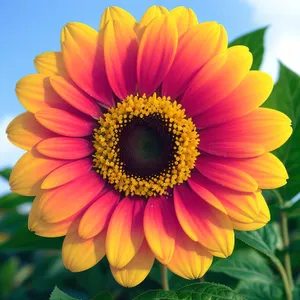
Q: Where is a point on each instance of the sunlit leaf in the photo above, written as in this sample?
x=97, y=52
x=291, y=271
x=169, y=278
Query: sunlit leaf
x=259, y=291
x=207, y=291
x=157, y=295
x=254, y=268
x=286, y=98
x=196, y=291
x=264, y=239
x=57, y=294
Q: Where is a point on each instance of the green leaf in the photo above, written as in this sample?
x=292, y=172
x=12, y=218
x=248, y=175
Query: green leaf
x=292, y=207
x=23, y=274
x=255, y=42
x=259, y=291
x=8, y=270
x=57, y=294
x=5, y=173
x=207, y=291
x=296, y=293
x=196, y=291
x=286, y=98
x=103, y=296
x=12, y=200
x=11, y=222
x=245, y=264
x=157, y=295
x=263, y=240
x=24, y=239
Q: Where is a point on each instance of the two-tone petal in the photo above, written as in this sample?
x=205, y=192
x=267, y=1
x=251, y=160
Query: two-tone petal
x=125, y=232
x=64, y=201
x=195, y=48
x=51, y=63
x=67, y=173
x=65, y=123
x=203, y=223
x=97, y=216
x=250, y=94
x=35, y=92
x=190, y=260
x=260, y=131
x=120, y=56
x=156, y=53
x=80, y=254
x=65, y=148
x=160, y=227
x=217, y=79
x=30, y=171
x=25, y=131
x=83, y=54
x=137, y=269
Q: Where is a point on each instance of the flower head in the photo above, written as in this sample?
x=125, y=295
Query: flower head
x=145, y=140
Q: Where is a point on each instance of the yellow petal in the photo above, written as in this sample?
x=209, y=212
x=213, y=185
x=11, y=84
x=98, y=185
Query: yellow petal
x=50, y=63
x=35, y=92
x=115, y=13
x=264, y=212
x=42, y=228
x=138, y=268
x=30, y=171
x=81, y=254
x=185, y=18
x=150, y=14
x=190, y=260
x=261, y=219
x=267, y=170
x=24, y=131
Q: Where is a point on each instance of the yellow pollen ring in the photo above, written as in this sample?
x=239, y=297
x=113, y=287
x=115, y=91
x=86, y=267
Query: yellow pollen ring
x=106, y=142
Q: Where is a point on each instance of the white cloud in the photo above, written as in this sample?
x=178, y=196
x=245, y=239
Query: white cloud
x=283, y=38
x=9, y=153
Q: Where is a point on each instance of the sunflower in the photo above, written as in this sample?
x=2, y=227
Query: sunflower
x=145, y=141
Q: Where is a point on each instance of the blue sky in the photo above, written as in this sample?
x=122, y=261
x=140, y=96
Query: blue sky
x=30, y=27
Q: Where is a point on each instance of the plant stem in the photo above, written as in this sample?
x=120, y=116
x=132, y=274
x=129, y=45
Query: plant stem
x=284, y=277
x=164, y=277
x=286, y=240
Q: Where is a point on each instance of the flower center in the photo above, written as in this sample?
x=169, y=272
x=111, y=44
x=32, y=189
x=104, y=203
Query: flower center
x=145, y=146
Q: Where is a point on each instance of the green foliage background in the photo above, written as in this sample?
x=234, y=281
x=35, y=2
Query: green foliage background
x=31, y=266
